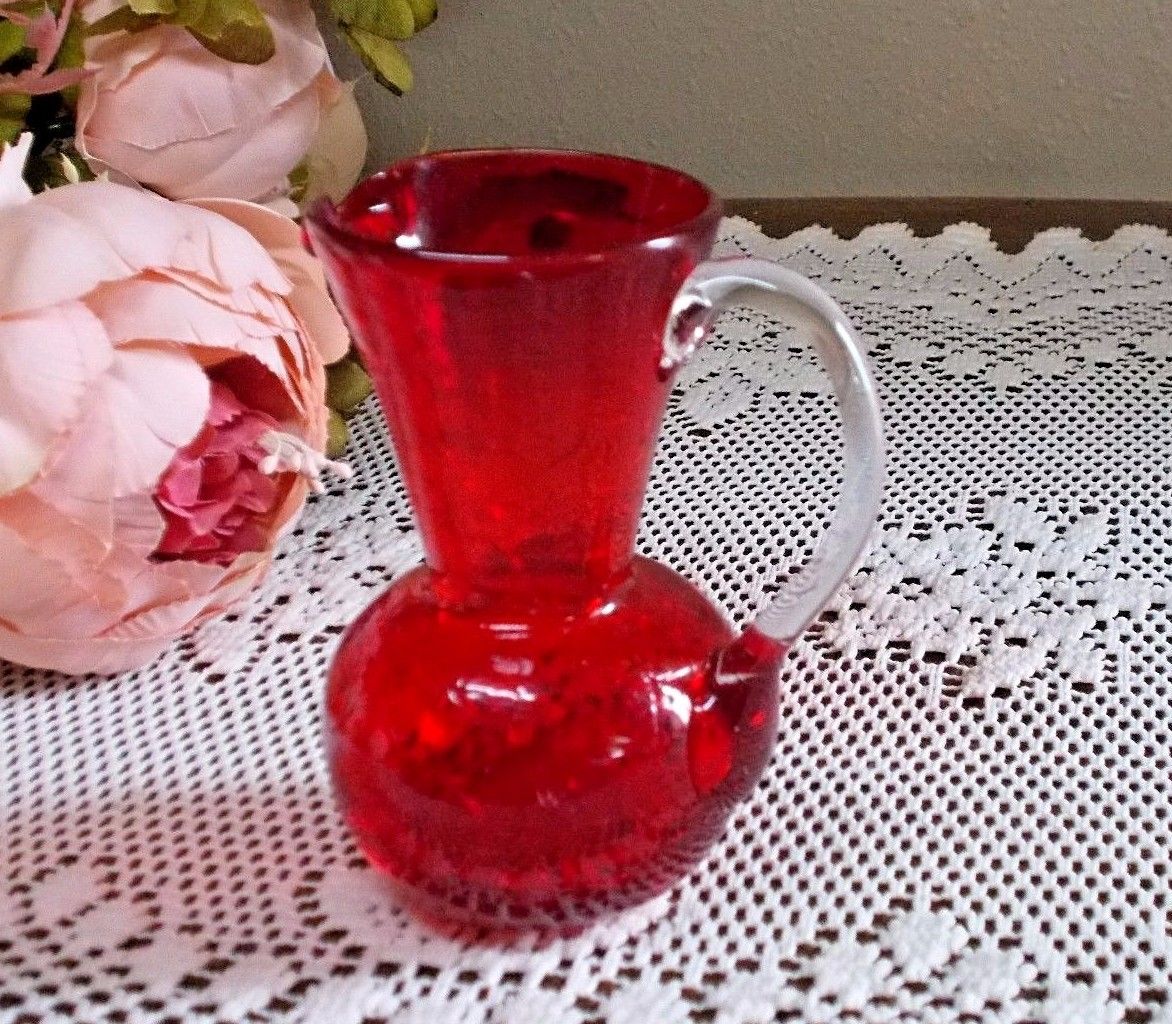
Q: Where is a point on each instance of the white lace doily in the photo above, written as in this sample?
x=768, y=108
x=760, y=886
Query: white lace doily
x=968, y=814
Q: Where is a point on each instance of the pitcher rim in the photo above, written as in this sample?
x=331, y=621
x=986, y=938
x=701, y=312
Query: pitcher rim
x=326, y=215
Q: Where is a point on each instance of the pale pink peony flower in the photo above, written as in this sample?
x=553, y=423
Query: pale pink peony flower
x=166, y=112
x=161, y=415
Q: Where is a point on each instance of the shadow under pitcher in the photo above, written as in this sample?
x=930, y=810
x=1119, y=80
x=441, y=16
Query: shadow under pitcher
x=538, y=726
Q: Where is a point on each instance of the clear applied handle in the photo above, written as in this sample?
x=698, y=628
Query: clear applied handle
x=719, y=284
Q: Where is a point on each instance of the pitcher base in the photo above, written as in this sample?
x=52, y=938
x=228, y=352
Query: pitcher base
x=537, y=769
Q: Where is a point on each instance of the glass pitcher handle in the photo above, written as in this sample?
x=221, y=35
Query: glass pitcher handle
x=775, y=291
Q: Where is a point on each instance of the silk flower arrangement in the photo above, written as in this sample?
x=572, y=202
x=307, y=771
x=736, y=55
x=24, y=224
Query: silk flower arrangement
x=164, y=339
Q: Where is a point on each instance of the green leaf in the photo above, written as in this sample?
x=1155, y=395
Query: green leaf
x=383, y=58
x=11, y=40
x=189, y=12
x=30, y=8
x=13, y=108
x=121, y=19
x=72, y=51
x=344, y=10
x=337, y=436
x=425, y=12
x=233, y=29
x=387, y=19
x=72, y=55
x=163, y=8
x=299, y=182
x=348, y=385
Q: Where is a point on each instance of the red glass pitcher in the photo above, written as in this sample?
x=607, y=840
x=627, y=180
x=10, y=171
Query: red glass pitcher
x=538, y=725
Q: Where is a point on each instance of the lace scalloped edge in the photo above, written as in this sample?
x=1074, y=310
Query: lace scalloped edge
x=962, y=236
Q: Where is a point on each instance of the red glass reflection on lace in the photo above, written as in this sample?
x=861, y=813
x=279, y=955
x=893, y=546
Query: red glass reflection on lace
x=536, y=726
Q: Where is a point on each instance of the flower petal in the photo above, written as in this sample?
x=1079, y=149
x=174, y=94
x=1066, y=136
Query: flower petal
x=51, y=598
x=113, y=232
x=48, y=360
x=336, y=158
x=151, y=309
x=14, y=190
x=135, y=424
x=86, y=654
x=310, y=298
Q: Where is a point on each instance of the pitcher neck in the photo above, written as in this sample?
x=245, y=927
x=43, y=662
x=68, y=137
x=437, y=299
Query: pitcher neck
x=569, y=570
x=526, y=466
x=529, y=589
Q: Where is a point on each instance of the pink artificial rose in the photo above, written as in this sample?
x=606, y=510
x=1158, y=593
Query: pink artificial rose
x=161, y=417
x=166, y=112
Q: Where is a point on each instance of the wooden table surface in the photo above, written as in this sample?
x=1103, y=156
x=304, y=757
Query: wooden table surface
x=1013, y=222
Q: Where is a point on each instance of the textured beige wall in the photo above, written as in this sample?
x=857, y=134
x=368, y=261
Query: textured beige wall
x=781, y=97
